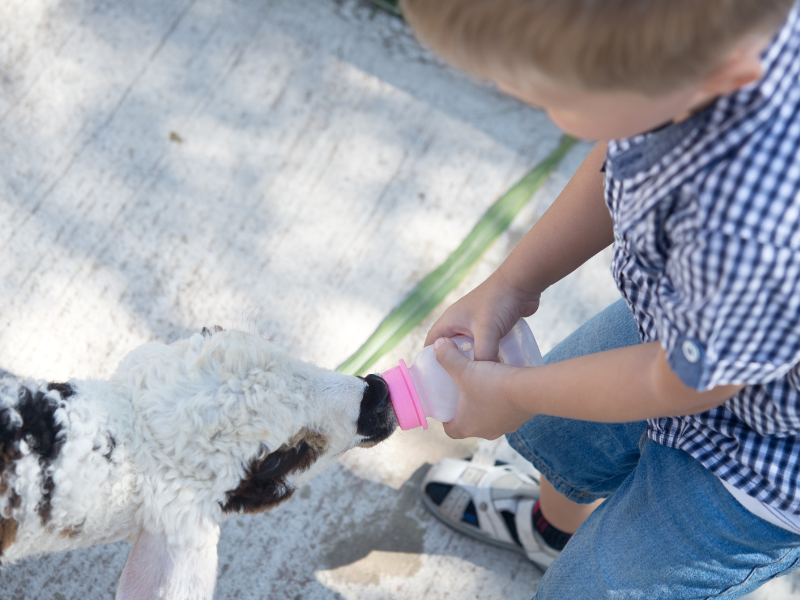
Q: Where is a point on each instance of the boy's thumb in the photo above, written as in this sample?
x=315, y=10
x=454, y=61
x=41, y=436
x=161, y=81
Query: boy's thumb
x=449, y=356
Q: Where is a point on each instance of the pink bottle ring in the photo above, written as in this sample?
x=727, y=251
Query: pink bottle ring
x=404, y=397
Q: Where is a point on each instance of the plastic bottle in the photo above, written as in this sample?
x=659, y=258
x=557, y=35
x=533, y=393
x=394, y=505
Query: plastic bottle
x=426, y=390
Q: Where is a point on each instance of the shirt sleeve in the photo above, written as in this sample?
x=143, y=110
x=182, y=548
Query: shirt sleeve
x=729, y=311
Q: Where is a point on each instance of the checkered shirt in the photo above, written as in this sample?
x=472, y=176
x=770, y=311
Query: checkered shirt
x=707, y=255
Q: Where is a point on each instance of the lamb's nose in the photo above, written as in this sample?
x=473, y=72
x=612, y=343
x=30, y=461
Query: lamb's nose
x=375, y=422
x=379, y=391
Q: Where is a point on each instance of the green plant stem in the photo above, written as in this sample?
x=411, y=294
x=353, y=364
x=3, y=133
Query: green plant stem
x=433, y=289
x=391, y=6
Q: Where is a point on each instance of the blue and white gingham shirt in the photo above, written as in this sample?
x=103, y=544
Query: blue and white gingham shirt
x=707, y=255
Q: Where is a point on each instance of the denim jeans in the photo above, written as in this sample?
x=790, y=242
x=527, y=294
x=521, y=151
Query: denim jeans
x=668, y=529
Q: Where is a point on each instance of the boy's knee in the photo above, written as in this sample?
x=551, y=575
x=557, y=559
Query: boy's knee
x=583, y=461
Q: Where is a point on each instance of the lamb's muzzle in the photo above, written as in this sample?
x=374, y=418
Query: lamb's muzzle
x=377, y=420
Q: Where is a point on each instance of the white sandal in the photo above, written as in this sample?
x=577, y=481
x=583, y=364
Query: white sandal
x=451, y=485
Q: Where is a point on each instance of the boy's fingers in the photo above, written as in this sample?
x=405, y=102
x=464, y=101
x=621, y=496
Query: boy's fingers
x=439, y=331
x=452, y=431
x=434, y=334
x=449, y=357
x=486, y=346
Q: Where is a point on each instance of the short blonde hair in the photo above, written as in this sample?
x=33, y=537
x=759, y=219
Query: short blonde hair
x=650, y=46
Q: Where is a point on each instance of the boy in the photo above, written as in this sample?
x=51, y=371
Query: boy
x=680, y=404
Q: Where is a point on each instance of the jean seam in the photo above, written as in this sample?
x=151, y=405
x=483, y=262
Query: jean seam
x=753, y=571
x=643, y=441
x=558, y=483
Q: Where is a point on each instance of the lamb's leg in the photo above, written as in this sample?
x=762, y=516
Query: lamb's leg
x=158, y=570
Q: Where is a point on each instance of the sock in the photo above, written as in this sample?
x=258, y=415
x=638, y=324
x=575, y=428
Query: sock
x=555, y=538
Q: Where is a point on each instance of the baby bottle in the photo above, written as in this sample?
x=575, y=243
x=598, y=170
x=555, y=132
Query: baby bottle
x=426, y=390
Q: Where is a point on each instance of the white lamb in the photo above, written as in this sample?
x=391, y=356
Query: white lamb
x=181, y=437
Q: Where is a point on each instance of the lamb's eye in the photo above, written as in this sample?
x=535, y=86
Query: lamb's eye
x=282, y=461
x=272, y=463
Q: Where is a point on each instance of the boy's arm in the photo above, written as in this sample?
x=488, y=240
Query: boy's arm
x=616, y=386
x=576, y=227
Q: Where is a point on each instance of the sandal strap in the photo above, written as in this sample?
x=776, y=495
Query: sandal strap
x=457, y=500
x=524, y=522
x=535, y=547
x=489, y=518
x=455, y=504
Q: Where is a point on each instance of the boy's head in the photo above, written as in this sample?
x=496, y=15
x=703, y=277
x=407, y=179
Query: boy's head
x=604, y=69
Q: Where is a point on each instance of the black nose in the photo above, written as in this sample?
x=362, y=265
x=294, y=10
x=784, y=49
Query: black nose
x=376, y=420
x=379, y=393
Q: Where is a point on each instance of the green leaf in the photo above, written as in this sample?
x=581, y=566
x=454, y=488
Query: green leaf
x=433, y=289
x=391, y=6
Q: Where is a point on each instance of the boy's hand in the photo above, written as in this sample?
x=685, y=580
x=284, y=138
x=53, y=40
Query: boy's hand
x=484, y=407
x=576, y=227
x=486, y=314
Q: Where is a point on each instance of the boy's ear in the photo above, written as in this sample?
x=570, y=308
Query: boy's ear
x=740, y=68
x=158, y=569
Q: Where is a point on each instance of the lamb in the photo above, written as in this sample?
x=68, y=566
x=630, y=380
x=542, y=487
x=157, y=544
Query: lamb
x=181, y=437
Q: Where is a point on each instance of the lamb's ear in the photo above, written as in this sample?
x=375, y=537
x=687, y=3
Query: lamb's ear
x=158, y=570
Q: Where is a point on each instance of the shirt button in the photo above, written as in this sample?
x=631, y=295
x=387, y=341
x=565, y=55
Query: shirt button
x=690, y=351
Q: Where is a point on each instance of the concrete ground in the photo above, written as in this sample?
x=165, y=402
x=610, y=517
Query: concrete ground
x=292, y=167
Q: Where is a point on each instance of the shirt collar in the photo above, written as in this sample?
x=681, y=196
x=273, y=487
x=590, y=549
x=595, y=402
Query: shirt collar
x=631, y=156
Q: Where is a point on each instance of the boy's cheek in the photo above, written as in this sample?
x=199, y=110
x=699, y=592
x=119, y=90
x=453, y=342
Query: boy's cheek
x=612, y=121
x=587, y=127
x=599, y=128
